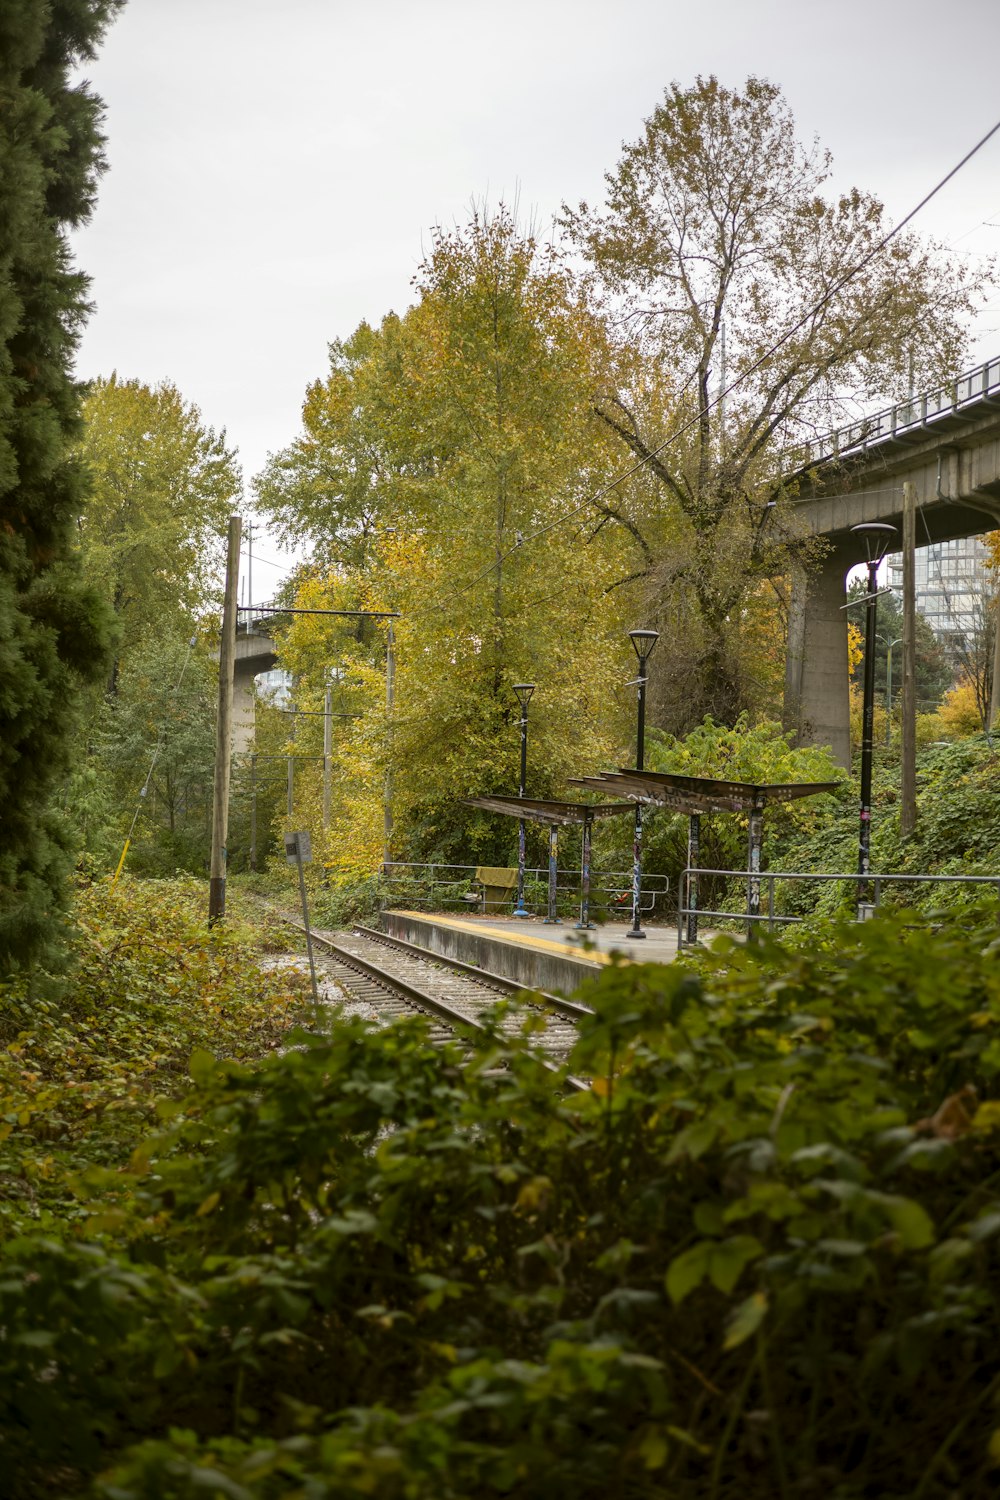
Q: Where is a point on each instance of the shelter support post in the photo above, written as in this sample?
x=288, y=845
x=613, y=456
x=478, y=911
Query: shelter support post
x=756, y=838
x=585, y=923
x=553, y=918
x=694, y=860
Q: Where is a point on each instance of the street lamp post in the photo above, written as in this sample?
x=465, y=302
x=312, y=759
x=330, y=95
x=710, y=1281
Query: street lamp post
x=643, y=641
x=877, y=537
x=888, y=682
x=523, y=692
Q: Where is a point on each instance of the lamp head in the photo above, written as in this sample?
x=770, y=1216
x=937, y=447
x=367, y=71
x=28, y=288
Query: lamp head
x=877, y=536
x=523, y=691
x=643, y=641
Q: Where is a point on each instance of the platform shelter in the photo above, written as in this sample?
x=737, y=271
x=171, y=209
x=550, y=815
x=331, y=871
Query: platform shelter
x=557, y=815
x=696, y=795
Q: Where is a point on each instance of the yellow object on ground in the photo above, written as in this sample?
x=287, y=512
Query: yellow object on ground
x=497, y=883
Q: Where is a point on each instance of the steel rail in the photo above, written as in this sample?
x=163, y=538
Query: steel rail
x=394, y=984
x=569, y=1008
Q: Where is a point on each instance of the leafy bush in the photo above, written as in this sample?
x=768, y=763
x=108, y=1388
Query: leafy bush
x=758, y=753
x=958, y=833
x=84, y=1056
x=757, y=1257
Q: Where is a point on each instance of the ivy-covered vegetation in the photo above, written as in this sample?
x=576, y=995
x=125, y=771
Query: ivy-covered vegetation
x=957, y=833
x=84, y=1057
x=755, y=1257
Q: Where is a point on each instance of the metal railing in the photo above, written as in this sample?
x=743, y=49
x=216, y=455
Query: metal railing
x=689, y=912
x=915, y=412
x=437, y=887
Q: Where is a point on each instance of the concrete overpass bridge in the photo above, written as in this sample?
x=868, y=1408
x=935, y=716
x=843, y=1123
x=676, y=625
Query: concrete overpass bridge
x=947, y=444
x=255, y=653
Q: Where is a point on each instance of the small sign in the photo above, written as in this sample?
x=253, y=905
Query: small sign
x=298, y=847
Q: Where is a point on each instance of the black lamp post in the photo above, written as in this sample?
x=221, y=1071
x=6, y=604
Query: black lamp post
x=643, y=641
x=877, y=537
x=523, y=692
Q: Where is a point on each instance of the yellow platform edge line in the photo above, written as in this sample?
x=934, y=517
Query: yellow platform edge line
x=504, y=934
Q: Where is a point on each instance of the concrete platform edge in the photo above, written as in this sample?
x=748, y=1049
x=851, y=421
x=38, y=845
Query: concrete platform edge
x=558, y=973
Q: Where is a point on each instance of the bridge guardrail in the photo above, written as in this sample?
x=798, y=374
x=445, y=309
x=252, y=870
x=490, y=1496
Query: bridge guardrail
x=915, y=411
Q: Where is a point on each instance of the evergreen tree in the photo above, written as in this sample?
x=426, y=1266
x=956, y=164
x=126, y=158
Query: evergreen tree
x=53, y=628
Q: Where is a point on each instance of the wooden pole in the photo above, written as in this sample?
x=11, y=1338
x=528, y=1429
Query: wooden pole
x=908, y=773
x=390, y=698
x=253, y=813
x=224, y=731
x=327, y=755
x=993, y=611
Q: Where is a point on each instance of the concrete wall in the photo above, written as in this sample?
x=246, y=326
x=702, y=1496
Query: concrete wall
x=254, y=654
x=559, y=974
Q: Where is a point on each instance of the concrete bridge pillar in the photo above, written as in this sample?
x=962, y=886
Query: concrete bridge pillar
x=817, y=695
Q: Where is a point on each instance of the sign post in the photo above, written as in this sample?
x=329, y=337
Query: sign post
x=298, y=851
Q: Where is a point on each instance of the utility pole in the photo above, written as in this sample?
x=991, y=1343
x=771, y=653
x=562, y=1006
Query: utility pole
x=224, y=730
x=994, y=610
x=390, y=700
x=253, y=813
x=908, y=777
x=249, y=576
x=327, y=753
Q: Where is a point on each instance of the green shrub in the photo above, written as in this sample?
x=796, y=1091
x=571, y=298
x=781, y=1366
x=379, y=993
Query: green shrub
x=757, y=1257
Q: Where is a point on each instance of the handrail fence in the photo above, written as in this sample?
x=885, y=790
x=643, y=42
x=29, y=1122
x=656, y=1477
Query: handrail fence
x=760, y=912
x=436, y=886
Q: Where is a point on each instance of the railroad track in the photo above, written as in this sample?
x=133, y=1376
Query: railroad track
x=396, y=979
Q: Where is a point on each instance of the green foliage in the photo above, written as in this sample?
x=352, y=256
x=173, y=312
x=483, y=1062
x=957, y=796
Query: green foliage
x=958, y=833
x=761, y=1248
x=715, y=251
x=152, y=748
x=934, y=672
x=758, y=753
x=85, y=1057
x=54, y=632
x=162, y=488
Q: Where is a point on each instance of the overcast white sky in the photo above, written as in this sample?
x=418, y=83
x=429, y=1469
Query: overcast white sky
x=275, y=165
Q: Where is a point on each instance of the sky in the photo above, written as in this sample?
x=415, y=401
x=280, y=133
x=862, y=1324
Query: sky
x=275, y=169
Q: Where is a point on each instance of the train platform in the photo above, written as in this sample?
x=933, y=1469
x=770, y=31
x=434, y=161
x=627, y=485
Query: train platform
x=554, y=957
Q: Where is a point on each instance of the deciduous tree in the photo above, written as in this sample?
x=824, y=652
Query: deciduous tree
x=436, y=470
x=717, y=255
x=162, y=487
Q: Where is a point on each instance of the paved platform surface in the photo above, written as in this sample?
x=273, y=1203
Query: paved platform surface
x=555, y=957
x=658, y=947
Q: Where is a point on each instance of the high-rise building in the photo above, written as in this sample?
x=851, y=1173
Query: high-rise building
x=952, y=585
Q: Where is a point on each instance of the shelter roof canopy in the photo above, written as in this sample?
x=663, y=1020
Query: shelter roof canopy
x=698, y=794
x=534, y=810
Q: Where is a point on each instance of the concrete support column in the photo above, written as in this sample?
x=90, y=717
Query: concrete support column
x=795, y=651
x=817, y=698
